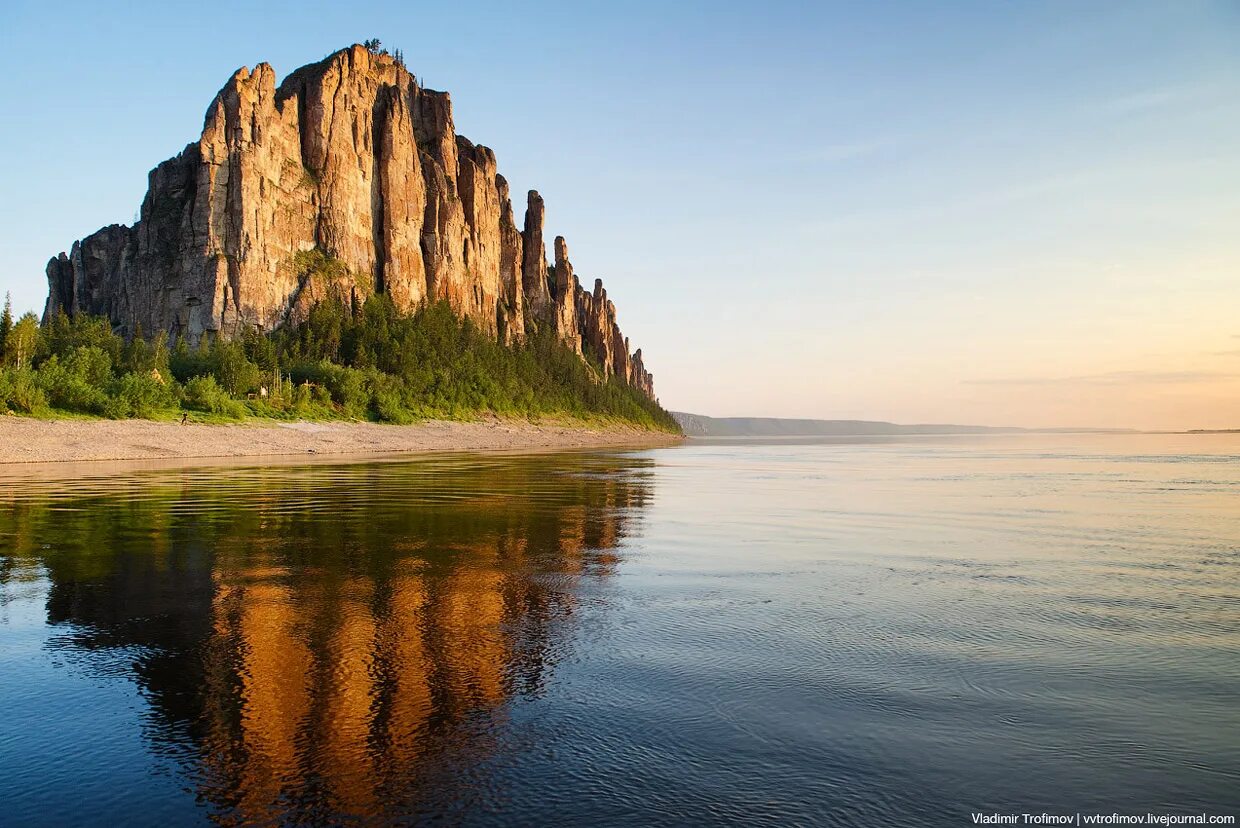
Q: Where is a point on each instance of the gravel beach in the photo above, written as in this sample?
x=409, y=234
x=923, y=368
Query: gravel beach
x=25, y=440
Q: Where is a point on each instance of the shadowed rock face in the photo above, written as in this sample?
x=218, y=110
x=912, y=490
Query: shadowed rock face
x=349, y=157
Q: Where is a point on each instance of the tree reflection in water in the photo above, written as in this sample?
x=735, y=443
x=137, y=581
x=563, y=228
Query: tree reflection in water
x=322, y=641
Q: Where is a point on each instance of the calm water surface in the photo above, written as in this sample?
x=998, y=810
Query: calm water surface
x=845, y=633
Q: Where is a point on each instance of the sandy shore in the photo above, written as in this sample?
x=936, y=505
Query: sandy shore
x=58, y=441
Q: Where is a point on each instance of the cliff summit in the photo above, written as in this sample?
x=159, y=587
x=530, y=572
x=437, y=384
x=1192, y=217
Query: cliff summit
x=347, y=161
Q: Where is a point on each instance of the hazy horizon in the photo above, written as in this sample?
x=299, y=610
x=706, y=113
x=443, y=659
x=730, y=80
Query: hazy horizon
x=981, y=214
x=1077, y=426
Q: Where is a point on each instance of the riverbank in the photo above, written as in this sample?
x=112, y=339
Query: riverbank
x=24, y=440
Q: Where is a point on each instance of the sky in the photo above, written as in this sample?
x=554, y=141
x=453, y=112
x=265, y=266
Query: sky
x=972, y=212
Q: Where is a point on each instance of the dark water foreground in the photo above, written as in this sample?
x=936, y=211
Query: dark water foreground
x=900, y=632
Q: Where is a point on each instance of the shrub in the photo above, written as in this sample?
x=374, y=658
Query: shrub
x=204, y=394
x=91, y=364
x=114, y=408
x=387, y=400
x=68, y=384
x=141, y=395
x=300, y=400
x=235, y=372
x=347, y=386
x=20, y=392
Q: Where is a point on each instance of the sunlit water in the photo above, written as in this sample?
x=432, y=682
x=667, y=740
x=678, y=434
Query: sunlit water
x=846, y=633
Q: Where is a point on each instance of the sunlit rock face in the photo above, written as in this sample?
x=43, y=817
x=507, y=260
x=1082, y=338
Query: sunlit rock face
x=349, y=157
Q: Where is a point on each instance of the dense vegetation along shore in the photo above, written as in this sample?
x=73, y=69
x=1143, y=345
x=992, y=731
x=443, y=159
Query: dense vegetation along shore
x=28, y=440
x=372, y=362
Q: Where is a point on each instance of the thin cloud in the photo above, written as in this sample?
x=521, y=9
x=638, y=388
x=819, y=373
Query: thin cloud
x=1112, y=378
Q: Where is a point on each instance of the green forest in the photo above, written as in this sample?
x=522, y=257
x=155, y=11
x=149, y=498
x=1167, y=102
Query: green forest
x=368, y=363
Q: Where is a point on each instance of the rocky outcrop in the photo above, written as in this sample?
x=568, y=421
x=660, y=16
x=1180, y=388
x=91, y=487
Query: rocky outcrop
x=348, y=161
x=564, y=290
x=399, y=269
x=511, y=260
x=534, y=276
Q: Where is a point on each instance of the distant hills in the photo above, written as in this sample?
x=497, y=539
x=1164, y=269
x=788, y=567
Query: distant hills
x=699, y=425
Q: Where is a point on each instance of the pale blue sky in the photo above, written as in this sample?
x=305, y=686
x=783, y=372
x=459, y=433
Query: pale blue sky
x=1011, y=213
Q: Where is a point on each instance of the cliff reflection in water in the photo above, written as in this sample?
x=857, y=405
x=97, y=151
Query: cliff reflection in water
x=330, y=640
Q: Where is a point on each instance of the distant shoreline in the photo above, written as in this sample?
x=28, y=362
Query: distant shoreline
x=26, y=440
x=700, y=425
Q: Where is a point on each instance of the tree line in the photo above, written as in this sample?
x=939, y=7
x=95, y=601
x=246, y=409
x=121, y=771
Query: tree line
x=372, y=362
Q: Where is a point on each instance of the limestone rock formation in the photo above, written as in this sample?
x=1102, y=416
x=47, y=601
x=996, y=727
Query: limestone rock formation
x=511, y=260
x=564, y=296
x=348, y=160
x=534, y=277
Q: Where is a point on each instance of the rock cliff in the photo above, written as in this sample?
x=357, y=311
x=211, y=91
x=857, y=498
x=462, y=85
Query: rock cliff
x=350, y=161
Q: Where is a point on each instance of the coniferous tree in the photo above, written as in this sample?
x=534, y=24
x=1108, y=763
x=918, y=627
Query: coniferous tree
x=6, y=320
x=137, y=354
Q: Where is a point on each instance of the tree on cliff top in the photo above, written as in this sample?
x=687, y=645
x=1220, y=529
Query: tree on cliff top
x=375, y=46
